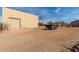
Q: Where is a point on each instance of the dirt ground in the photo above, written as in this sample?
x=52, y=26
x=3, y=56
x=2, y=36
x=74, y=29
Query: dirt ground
x=36, y=40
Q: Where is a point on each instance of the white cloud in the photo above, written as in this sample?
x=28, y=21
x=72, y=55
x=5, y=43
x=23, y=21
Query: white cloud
x=57, y=10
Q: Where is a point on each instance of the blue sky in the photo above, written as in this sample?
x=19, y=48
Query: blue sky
x=53, y=14
x=0, y=14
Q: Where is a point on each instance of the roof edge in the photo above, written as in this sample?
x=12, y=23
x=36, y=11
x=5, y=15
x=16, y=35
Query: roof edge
x=19, y=11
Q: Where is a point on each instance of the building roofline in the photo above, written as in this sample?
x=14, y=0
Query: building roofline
x=19, y=11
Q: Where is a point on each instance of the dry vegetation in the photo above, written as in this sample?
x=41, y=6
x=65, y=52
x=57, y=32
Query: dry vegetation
x=39, y=40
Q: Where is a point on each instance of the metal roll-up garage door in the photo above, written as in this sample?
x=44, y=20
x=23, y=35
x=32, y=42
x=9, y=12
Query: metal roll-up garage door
x=14, y=23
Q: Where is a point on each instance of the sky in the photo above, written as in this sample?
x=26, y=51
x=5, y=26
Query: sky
x=66, y=14
x=0, y=14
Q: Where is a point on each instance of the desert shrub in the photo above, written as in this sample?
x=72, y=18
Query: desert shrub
x=4, y=27
x=40, y=24
x=74, y=48
x=0, y=26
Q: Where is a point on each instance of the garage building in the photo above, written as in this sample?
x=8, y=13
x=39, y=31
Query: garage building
x=18, y=19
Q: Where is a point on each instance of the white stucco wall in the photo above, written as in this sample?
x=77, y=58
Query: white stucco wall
x=27, y=20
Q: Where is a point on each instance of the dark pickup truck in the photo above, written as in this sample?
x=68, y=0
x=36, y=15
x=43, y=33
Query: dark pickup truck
x=50, y=27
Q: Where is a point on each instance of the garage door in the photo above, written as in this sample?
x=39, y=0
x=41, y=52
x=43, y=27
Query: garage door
x=14, y=23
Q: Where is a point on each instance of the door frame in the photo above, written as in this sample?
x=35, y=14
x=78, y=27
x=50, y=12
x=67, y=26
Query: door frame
x=16, y=19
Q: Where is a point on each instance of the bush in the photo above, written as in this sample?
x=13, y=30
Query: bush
x=0, y=26
x=40, y=24
x=3, y=26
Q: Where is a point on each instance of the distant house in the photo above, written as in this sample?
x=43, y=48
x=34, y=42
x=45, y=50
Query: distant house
x=60, y=24
x=18, y=19
x=75, y=23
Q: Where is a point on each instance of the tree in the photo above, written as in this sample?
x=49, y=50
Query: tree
x=0, y=26
x=50, y=23
x=40, y=24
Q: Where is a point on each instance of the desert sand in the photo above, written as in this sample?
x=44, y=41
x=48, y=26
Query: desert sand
x=36, y=40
